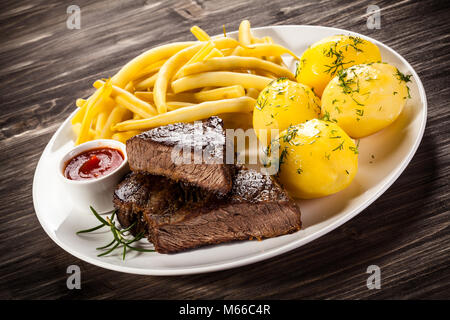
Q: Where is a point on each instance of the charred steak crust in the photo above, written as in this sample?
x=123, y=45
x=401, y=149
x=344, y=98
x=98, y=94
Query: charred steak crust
x=257, y=207
x=160, y=151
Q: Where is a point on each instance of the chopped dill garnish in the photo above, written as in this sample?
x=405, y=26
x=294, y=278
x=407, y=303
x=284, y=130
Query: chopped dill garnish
x=354, y=45
x=402, y=77
x=339, y=147
x=338, y=56
x=260, y=106
x=326, y=116
x=355, y=149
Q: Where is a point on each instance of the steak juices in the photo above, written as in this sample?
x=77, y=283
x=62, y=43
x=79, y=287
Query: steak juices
x=184, y=206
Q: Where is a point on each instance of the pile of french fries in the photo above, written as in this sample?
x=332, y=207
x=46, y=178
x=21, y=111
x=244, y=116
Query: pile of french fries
x=181, y=82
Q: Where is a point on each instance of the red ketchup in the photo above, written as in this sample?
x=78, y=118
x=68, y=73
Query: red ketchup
x=93, y=163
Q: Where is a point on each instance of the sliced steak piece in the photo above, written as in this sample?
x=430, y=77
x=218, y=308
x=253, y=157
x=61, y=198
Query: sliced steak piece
x=257, y=207
x=192, y=153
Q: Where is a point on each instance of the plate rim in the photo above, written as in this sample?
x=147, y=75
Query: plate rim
x=270, y=253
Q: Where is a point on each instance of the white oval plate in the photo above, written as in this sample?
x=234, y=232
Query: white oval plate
x=392, y=149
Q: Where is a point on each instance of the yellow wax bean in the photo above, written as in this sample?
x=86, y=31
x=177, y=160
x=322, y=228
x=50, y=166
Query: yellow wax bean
x=245, y=35
x=124, y=136
x=234, y=63
x=219, y=79
x=189, y=114
x=130, y=101
x=117, y=115
x=132, y=68
x=171, y=66
x=264, y=49
x=200, y=34
x=235, y=91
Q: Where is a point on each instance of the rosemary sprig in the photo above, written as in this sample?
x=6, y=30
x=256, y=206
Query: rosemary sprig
x=121, y=237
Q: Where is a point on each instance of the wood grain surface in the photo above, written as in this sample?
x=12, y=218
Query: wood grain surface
x=44, y=67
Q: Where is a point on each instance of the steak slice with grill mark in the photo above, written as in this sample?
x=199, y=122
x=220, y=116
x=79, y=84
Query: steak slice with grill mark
x=257, y=207
x=160, y=151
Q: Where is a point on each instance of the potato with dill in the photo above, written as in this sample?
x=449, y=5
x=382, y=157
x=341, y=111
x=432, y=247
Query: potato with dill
x=316, y=158
x=321, y=61
x=365, y=98
x=281, y=104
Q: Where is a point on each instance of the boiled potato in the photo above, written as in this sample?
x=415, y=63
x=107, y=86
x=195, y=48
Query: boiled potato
x=321, y=62
x=316, y=158
x=281, y=104
x=365, y=98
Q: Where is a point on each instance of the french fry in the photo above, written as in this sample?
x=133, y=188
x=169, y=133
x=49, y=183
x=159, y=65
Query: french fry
x=79, y=115
x=117, y=115
x=219, y=79
x=130, y=101
x=264, y=49
x=245, y=36
x=127, y=73
x=171, y=66
x=235, y=91
x=234, y=63
x=200, y=34
x=100, y=122
x=123, y=101
x=124, y=136
x=92, y=108
x=102, y=116
x=77, y=128
x=189, y=114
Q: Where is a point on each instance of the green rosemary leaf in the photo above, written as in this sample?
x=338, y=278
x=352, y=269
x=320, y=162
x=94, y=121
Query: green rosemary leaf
x=98, y=216
x=109, y=251
x=140, y=249
x=91, y=229
x=106, y=246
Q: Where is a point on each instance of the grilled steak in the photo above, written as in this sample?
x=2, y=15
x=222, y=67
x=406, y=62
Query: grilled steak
x=177, y=217
x=192, y=153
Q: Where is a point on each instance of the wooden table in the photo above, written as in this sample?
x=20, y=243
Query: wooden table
x=45, y=67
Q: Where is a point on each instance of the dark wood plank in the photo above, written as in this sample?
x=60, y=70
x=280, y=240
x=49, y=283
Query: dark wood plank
x=44, y=67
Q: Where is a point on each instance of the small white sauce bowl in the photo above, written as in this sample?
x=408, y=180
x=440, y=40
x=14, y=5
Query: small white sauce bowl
x=96, y=192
